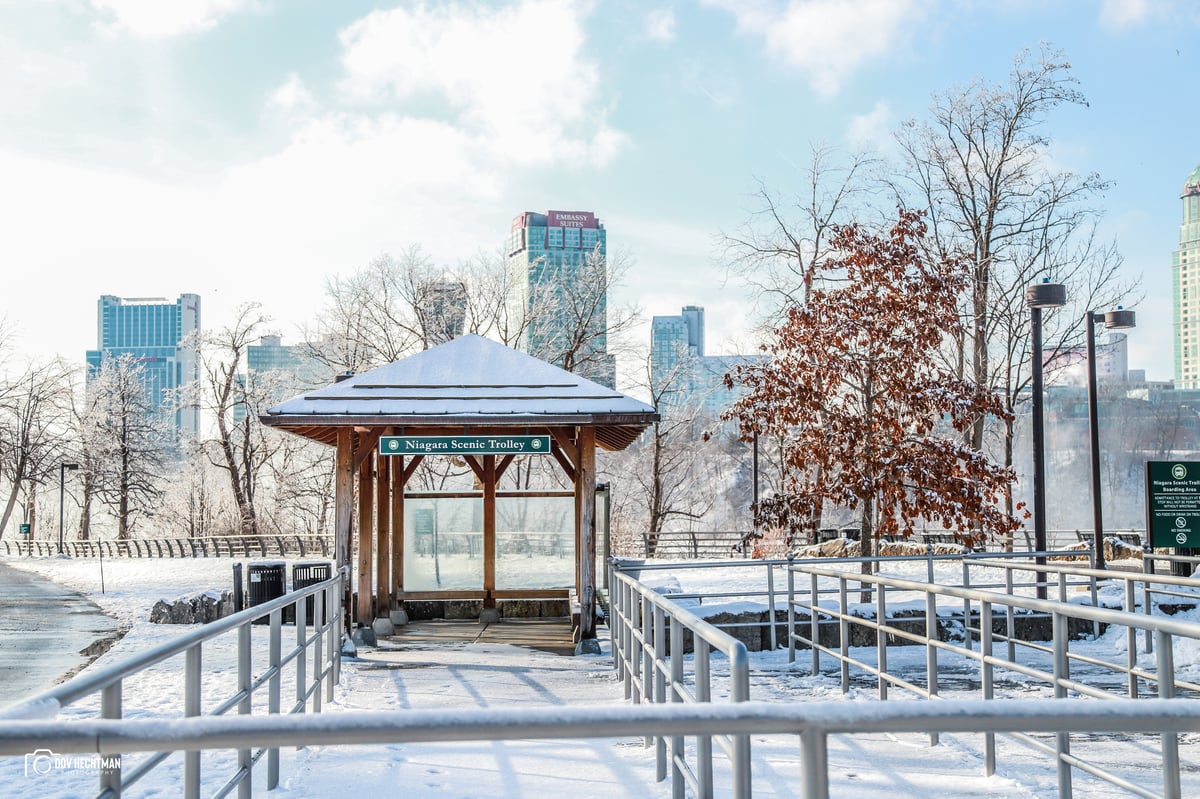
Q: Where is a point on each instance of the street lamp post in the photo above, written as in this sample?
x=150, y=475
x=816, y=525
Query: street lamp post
x=1119, y=319
x=62, y=472
x=1039, y=296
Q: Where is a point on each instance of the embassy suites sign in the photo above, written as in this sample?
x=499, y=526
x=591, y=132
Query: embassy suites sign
x=571, y=219
x=464, y=445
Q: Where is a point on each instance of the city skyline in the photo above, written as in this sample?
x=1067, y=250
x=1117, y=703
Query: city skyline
x=252, y=150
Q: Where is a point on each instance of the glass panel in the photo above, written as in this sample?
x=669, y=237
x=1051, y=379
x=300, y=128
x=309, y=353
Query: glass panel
x=535, y=542
x=443, y=544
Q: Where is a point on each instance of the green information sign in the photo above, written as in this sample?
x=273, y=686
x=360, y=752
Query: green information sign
x=1173, y=503
x=24, y=528
x=464, y=445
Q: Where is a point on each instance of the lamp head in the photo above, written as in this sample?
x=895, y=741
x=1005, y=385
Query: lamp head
x=1120, y=319
x=70, y=467
x=1046, y=295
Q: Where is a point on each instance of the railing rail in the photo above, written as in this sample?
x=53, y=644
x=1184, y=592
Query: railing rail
x=317, y=645
x=648, y=645
x=811, y=722
x=233, y=546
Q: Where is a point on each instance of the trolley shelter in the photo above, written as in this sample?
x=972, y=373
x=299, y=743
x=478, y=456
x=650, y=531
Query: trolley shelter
x=483, y=405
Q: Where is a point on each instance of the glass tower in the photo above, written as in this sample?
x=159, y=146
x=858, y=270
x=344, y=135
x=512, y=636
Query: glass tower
x=558, y=268
x=153, y=332
x=1185, y=285
x=683, y=373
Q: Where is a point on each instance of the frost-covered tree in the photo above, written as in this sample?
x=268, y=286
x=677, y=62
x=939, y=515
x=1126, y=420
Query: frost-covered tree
x=127, y=439
x=870, y=418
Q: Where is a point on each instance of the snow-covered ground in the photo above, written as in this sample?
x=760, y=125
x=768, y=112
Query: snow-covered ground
x=487, y=675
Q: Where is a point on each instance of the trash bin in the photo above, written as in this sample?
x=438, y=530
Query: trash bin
x=306, y=574
x=267, y=581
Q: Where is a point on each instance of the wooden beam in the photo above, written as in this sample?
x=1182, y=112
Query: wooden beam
x=366, y=502
x=364, y=443
x=585, y=488
x=502, y=465
x=476, y=466
x=489, y=530
x=564, y=463
x=342, y=513
x=412, y=467
x=565, y=443
x=399, y=475
x=383, y=538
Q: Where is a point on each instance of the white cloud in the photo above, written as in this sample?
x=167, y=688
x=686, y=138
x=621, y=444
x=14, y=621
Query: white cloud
x=292, y=96
x=827, y=39
x=872, y=130
x=516, y=75
x=660, y=24
x=1117, y=14
x=154, y=19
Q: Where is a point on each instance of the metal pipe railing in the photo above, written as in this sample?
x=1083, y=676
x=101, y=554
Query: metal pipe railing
x=647, y=631
x=319, y=641
x=813, y=723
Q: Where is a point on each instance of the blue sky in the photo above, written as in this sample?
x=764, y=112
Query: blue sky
x=249, y=149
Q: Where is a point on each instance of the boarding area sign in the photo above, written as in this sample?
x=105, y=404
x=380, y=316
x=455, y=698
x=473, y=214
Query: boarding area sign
x=1173, y=503
x=465, y=445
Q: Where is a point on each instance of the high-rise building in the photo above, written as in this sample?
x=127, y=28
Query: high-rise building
x=152, y=330
x=1185, y=284
x=681, y=371
x=558, y=264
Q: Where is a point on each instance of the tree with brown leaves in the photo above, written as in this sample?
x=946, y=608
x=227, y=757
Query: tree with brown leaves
x=871, y=419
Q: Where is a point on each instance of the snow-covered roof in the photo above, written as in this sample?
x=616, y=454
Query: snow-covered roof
x=468, y=382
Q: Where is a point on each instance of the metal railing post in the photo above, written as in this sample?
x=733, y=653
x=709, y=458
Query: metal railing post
x=881, y=638
x=275, y=656
x=814, y=625
x=704, y=762
x=1165, y=659
x=791, y=611
x=1010, y=621
x=844, y=634
x=677, y=748
x=1061, y=675
x=302, y=658
x=771, y=604
x=931, y=658
x=191, y=707
x=966, y=583
x=814, y=758
x=1131, y=641
x=659, y=691
x=110, y=708
x=245, y=679
x=986, y=677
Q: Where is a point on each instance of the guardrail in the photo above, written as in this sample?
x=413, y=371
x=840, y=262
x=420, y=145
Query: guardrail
x=648, y=646
x=811, y=722
x=232, y=546
x=317, y=644
x=1048, y=663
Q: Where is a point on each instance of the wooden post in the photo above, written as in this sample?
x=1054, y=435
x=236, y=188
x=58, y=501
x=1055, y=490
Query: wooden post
x=585, y=498
x=398, y=525
x=489, y=531
x=343, y=502
x=383, y=560
x=366, y=501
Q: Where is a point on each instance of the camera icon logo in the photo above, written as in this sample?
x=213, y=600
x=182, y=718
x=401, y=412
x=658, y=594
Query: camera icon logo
x=39, y=762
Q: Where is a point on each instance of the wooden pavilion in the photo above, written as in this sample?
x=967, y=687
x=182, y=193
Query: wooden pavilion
x=476, y=400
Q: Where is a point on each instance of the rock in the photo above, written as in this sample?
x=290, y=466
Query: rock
x=193, y=609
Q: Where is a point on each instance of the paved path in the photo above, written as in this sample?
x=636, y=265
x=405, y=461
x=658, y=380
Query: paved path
x=44, y=631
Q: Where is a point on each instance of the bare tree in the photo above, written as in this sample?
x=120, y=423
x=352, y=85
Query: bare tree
x=980, y=167
x=242, y=445
x=34, y=416
x=778, y=251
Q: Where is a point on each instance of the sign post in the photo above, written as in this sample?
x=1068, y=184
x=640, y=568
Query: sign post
x=1173, y=504
x=23, y=528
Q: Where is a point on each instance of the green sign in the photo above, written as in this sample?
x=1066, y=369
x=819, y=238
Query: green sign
x=464, y=445
x=1173, y=503
x=24, y=528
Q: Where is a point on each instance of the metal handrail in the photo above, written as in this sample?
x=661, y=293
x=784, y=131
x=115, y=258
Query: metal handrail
x=812, y=722
x=988, y=656
x=322, y=643
x=647, y=632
